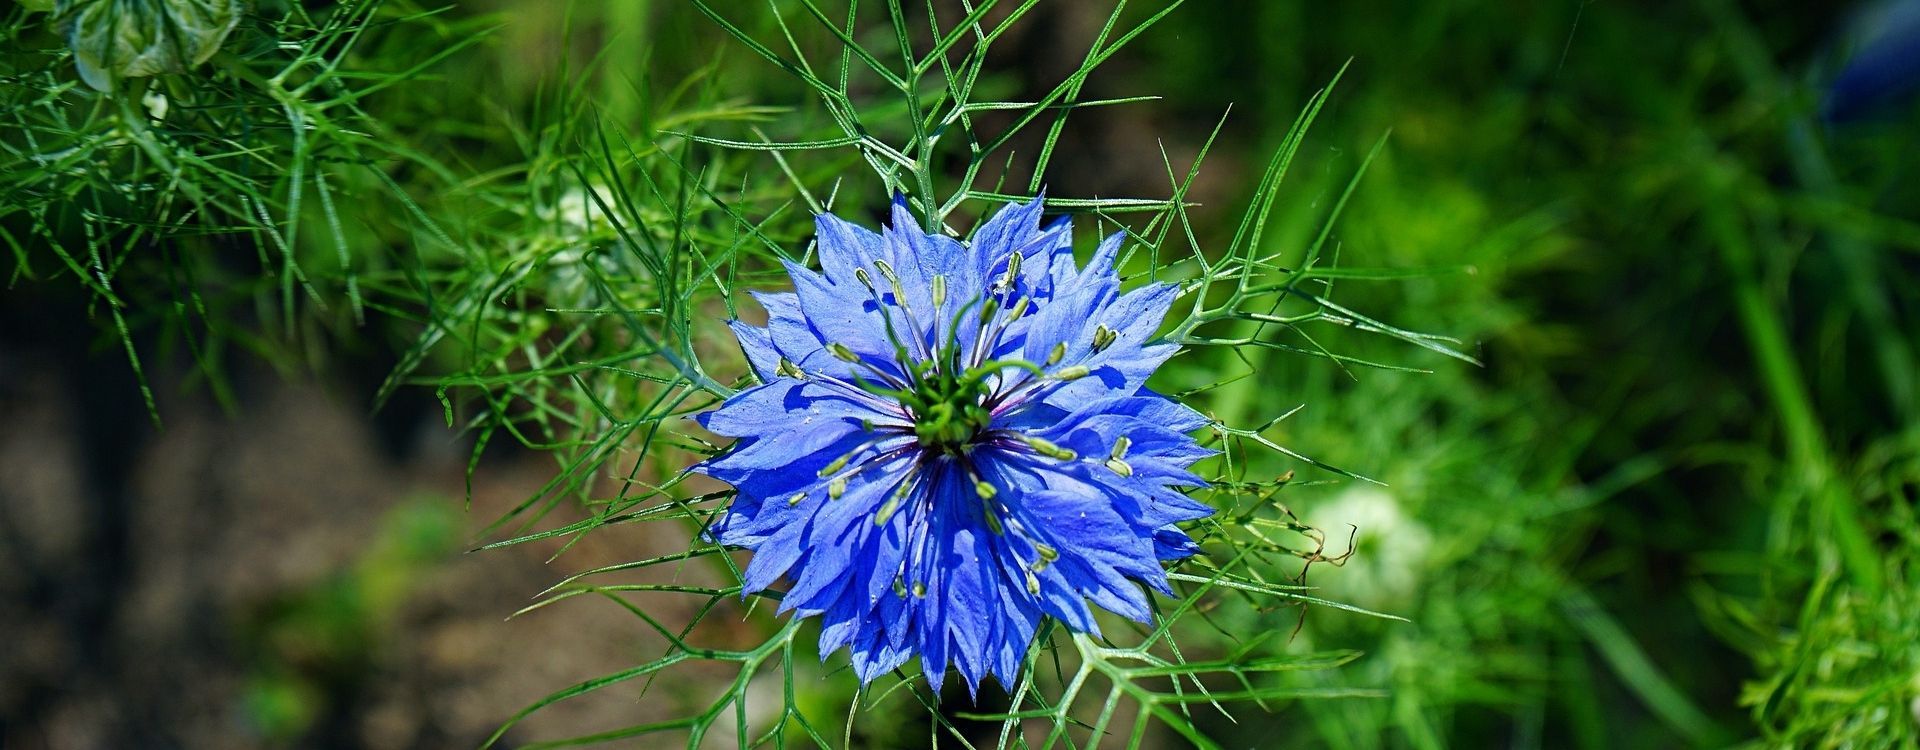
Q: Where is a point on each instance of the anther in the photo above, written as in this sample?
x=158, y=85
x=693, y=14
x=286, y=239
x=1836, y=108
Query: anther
x=795, y=500
x=1117, y=459
x=1047, y=448
x=1020, y=309
x=1104, y=337
x=1012, y=274
x=836, y=488
x=1069, y=374
x=787, y=369
x=899, y=293
x=1059, y=352
x=939, y=291
x=839, y=463
x=842, y=353
x=893, y=503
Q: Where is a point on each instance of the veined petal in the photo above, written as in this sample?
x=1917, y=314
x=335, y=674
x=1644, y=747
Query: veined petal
x=839, y=315
x=803, y=437
x=776, y=405
x=844, y=247
x=757, y=344
x=787, y=329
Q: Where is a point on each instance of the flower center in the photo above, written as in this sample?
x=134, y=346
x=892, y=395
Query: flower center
x=948, y=412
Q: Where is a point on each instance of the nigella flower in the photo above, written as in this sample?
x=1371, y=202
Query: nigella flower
x=953, y=440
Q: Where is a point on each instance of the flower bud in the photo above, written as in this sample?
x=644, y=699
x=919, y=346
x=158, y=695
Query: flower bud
x=114, y=39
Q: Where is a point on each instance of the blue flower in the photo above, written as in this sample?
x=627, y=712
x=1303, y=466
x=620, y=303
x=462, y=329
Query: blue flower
x=953, y=440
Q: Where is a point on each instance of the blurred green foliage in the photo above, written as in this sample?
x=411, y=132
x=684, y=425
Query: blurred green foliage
x=312, y=650
x=1672, y=507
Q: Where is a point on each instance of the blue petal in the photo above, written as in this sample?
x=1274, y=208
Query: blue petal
x=970, y=598
x=844, y=247
x=1009, y=229
x=776, y=406
x=757, y=344
x=1170, y=543
x=842, y=622
x=1094, y=542
x=747, y=525
x=877, y=651
x=773, y=558
x=802, y=437
x=839, y=315
x=786, y=328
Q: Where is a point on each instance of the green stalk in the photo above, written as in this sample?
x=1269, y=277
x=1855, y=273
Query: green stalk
x=1773, y=354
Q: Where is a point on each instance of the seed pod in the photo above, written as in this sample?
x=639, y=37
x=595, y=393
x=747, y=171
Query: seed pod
x=114, y=39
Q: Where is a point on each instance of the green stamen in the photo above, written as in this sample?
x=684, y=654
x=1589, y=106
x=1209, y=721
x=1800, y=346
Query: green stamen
x=1047, y=448
x=839, y=463
x=986, y=492
x=1020, y=309
x=899, y=292
x=893, y=502
x=1116, y=460
x=1104, y=337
